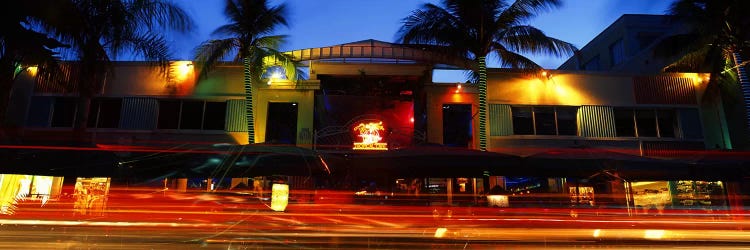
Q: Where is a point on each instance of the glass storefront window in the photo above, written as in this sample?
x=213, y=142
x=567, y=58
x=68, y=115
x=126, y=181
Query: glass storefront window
x=654, y=196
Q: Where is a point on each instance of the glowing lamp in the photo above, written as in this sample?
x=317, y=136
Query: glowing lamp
x=279, y=197
x=32, y=70
x=182, y=70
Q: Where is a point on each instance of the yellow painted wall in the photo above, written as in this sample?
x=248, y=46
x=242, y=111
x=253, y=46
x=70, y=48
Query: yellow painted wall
x=140, y=79
x=225, y=82
x=561, y=88
x=305, y=100
x=439, y=94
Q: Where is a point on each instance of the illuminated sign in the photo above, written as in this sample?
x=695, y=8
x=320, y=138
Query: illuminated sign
x=279, y=197
x=370, y=134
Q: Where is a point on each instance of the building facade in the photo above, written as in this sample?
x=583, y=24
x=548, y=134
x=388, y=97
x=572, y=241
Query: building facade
x=372, y=83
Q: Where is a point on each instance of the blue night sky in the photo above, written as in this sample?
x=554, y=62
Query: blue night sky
x=319, y=23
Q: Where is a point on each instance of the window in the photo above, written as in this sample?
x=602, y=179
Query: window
x=592, y=64
x=690, y=123
x=191, y=114
x=214, y=118
x=624, y=123
x=63, y=112
x=39, y=111
x=567, y=120
x=647, y=122
x=169, y=114
x=647, y=38
x=617, y=52
x=545, y=120
x=667, y=123
x=523, y=121
x=105, y=113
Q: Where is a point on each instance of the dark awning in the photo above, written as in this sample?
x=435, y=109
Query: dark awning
x=226, y=160
x=587, y=162
x=59, y=161
x=431, y=161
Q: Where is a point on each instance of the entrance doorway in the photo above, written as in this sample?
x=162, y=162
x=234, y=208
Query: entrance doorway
x=457, y=125
x=281, y=125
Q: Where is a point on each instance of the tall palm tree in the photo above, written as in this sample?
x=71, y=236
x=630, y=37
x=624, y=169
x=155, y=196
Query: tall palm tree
x=478, y=28
x=99, y=31
x=717, y=41
x=251, y=40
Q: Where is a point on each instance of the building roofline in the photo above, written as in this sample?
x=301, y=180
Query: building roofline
x=606, y=30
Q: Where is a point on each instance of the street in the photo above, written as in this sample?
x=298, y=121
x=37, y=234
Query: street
x=140, y=219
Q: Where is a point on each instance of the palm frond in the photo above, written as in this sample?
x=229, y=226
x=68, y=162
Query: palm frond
x=514, y=60
x=693, y=61
x=523, y=10
x=430, y=25
x=209, y=53
x=530, y=39
x=271, y=42
x=161, y=13
x=153, y=47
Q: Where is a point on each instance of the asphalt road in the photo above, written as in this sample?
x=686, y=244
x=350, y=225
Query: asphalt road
x=189, y=221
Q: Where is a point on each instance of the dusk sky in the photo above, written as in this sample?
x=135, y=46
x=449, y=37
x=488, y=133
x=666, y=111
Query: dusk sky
x=319, y=23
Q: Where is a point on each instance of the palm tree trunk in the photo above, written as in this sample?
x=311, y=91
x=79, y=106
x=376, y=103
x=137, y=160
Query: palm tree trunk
x=82, y=119
x=482, y=103
x=745, y=87
x=6, y=84
x=249, y=102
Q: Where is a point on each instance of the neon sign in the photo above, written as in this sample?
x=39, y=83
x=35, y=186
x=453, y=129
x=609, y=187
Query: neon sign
x=370, y=134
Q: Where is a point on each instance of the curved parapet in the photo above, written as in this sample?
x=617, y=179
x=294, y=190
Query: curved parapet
x=374, y=51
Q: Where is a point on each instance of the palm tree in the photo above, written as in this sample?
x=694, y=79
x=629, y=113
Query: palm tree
x=99, y=31
x=478, y=28
x=717, y=41
x=22, y=47
x=250, y=39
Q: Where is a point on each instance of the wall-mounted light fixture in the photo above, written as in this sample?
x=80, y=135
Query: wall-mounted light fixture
x=546, y=74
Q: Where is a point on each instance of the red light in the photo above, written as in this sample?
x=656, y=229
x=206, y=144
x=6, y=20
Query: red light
x=411, y=120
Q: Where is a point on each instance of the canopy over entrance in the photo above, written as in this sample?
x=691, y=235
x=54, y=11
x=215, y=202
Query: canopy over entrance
x=432, y=161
